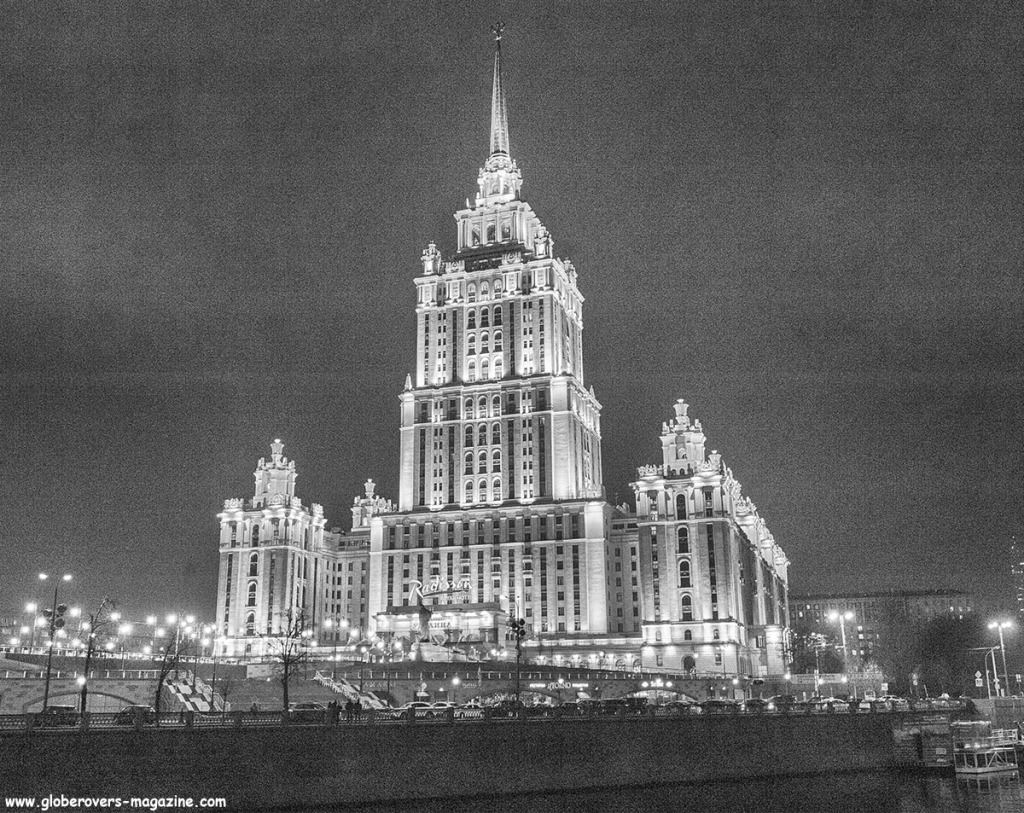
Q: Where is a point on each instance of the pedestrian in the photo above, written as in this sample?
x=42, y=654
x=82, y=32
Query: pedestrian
x=348, y=710
x=255, y=707
x=359, y=710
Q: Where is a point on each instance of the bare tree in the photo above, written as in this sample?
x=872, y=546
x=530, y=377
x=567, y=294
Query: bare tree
x=170, y=660
x=97, y=621
x=289, y=650
x=224, y=686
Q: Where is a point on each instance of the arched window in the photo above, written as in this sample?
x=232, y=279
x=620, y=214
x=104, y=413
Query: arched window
x=481, y=463
x=686, y=609
x=687, y=635
x=482, y=407
x=485, y=343
x=481, y=435
x=490, y=233
x=471, y=319
x=481, y=489
x=716, y=635
x=469, y=408
x=497, y=315
x=495, y=433
x=485, y=294
x=496, y=406
x=485, y=320
x=485, y=370
x=471, y=371
x=499, y=369
x=657, y=635
x=254, y=564
x=475, y=237
x=256, y=534
x=497, y=288
x=683, y=541
x=496, y=490
x=250, y=624
x=471, y=292
x=469, y=491
x=497, y=341
x=250, y=600
x=681, y=506
x=469, y=462
x=684, y=573
x=689, y=663
x=471, y=346
x=506, y=231
x=469, y=436
x=495, y=460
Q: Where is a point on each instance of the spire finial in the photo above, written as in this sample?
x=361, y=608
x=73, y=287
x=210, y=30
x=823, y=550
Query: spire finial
x=499, y=113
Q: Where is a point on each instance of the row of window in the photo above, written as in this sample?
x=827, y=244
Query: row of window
x=485, y=316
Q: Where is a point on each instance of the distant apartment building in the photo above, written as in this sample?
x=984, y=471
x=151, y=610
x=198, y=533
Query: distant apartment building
x=870, y=611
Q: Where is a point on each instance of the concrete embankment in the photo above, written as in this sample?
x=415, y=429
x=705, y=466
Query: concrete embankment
x=264, y=768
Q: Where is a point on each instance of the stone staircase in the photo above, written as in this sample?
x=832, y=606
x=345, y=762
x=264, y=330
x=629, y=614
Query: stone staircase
x=349, y=692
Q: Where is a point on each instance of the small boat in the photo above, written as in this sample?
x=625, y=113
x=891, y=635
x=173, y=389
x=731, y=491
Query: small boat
x=980, y=749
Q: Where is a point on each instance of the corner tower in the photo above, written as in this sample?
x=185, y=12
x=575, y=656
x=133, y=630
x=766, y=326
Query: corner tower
x=497, y=410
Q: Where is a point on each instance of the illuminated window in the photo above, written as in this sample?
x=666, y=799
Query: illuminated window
x=481, y=466
x=497, y=340
x=469, y=491
x=499, y=369
x=684, y=573
x=469, y=408
x=471, y=346
x=686, y=613
x=496, y=461
x=251, y=598
x=471, y=372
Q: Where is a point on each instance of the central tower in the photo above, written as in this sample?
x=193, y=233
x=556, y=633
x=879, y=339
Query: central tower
x=500, y=482
x=497, y=410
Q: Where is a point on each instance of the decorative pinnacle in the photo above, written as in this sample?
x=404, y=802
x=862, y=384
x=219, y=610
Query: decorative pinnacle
x=496, y=29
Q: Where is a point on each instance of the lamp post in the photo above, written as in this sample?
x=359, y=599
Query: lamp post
x=455, y=688
x=340, y=624
x=842, y=618
x=55, y=615
x=362, y=665
x=1000, y=626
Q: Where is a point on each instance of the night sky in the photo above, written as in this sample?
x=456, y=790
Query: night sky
x=803, y=218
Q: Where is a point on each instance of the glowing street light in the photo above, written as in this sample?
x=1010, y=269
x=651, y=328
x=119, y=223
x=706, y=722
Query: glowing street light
x=1000, y=626
x=842, y=618
x=55, y=615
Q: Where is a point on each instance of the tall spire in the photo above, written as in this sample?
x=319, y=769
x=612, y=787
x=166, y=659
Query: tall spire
x=499, y=112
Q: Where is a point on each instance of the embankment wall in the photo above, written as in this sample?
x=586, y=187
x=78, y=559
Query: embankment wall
x=348, y=765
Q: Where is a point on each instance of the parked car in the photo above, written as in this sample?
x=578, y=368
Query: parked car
x=571, y=708
x=682, y=707
x=469, y=710
x=782, y=702
x=417, y=707
x=57, y=715
x=306, y=712
x=440, y=708
x=507, y=708
x=126, y=716
x=720, y=706
x=756, y=705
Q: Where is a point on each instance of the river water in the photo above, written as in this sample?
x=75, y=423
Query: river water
x=861, y=792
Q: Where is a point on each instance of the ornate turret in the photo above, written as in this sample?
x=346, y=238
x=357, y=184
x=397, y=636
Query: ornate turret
x=275, y=480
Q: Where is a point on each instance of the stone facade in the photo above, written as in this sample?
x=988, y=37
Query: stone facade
x=501, y=507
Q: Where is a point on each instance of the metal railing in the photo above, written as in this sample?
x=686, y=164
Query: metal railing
x=37, y=723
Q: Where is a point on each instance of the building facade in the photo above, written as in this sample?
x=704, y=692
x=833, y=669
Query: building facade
x=869, y=613
x=501, y=510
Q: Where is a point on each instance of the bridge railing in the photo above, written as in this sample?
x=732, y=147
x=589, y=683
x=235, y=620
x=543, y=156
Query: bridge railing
x=67, y=721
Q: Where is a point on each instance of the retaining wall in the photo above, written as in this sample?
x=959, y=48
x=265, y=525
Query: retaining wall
x=277, y=767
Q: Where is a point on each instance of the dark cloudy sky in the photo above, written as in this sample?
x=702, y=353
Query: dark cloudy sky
x=805, y=218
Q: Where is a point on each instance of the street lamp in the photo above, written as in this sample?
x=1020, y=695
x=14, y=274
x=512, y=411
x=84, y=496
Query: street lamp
x=455, y=687
x=55, y=616
x=842, y=618
x=1000, y=626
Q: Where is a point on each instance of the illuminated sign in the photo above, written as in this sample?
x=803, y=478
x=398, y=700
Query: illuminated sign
x=438, y=587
